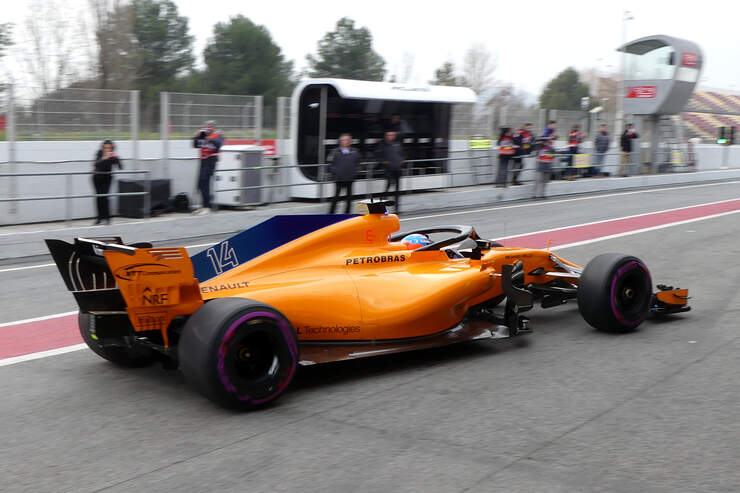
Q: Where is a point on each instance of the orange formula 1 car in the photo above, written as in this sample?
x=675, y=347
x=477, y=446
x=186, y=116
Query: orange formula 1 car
x=240, y=316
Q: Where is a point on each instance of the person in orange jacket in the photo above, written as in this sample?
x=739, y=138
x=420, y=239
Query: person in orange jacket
x=506, y=151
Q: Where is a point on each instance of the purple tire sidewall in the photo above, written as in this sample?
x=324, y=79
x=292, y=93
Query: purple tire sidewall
x=289, y=338
x=612, y=295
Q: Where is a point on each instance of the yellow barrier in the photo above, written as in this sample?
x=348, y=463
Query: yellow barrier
x=581, y=161
x=480, y=143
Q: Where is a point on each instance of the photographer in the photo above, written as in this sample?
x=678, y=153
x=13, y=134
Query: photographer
x=209, y=141
x=105, y=159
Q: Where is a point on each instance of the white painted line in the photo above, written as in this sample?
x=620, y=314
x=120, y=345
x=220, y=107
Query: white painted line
x=561, y=201
x=91, y=227
x=201, y=245
x=37, y=266
x=37, y=319
x=43, y=354
x=148, y=221
x=601, y=221
x=643, y=230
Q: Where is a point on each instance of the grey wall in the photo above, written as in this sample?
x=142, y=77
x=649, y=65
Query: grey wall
x=183, y=168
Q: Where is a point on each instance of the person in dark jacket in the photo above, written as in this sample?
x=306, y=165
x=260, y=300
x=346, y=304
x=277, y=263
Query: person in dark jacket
x=209, y=141
x=523, y=140
x=575, y=137
x=601, y=145
x=626, y=143
x=105, y=160
x=344, y=161
x=390, y=154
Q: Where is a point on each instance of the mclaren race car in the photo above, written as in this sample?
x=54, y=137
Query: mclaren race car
x=239, y=317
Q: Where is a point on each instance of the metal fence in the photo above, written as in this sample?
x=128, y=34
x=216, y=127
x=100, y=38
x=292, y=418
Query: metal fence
x=487, y=120
x=74, y=114
x=92, y=114
x=240, y=117
x=52, y=187
x=469, y=120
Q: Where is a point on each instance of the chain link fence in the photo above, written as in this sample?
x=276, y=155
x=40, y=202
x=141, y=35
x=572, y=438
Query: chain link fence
x=86, y=116
x=239, y=117
x=469, y=120
x=518, y=117
x=75, y=114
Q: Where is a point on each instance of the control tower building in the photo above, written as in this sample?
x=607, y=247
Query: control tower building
x=660, y=74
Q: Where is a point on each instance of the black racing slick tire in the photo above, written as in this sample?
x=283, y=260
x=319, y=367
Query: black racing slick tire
x=614, y=292
x=119, y=355
x=237, y=352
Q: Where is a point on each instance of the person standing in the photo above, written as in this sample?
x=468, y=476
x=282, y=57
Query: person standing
x=398, y=126
x=523, y=140
x=545, y=156
x=390, y=154
x=344, y=161
x=549, y=132
x=506, y=150
x=105, y=160
x=626, y=143
x=601, y=145
x=574, y=141
x=209, y=141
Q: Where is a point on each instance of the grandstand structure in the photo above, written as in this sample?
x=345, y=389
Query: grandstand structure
x=707, y=110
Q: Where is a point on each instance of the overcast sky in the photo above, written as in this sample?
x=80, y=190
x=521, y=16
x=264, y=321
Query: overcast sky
x=532, y=40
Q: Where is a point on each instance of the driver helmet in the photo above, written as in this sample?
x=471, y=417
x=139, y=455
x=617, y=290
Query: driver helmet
x=416, y=240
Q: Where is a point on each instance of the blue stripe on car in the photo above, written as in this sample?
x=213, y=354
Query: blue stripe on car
x=257, y=240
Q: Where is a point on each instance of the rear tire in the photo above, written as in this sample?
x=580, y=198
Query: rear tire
x=121, y=356
x=614, y=292
x=238, y=352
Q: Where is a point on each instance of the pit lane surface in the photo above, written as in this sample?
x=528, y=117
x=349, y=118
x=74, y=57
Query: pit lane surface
x=566, y=409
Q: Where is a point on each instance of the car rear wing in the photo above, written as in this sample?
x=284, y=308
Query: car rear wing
x=151, y=285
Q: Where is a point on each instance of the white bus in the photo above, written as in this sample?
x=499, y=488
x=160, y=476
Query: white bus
x=323, y=109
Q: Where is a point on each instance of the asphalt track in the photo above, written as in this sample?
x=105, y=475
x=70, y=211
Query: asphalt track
x=565, y=409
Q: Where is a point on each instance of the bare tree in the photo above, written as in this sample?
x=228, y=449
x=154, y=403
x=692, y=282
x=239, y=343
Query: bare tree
x=478, y=68
x=507, y=96
x=5, y=37
x=5, y=41
x=50, y=47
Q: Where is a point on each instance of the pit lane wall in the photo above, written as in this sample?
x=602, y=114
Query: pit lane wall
x=44, y=157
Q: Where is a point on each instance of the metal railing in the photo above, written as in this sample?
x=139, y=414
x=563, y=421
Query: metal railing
x=480, y=166
x=371, y=171
x=68, y=186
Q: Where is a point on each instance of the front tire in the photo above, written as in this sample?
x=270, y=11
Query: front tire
x=614, y=292
x=238, y=352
